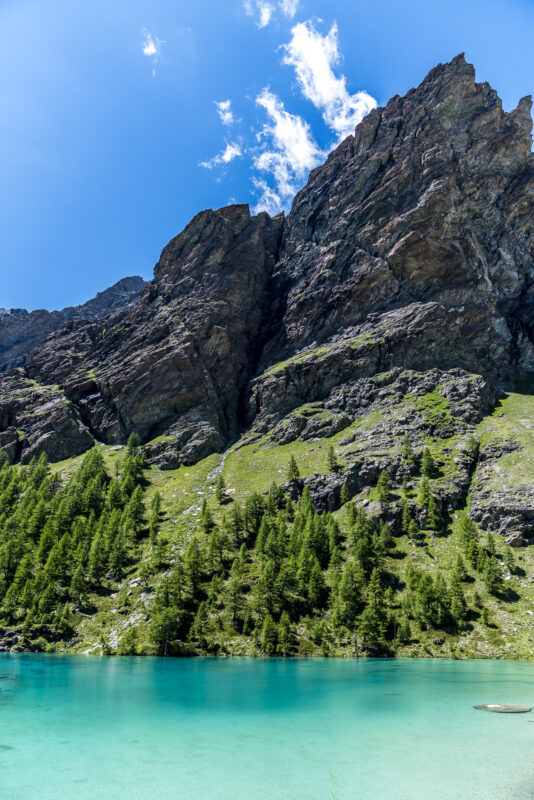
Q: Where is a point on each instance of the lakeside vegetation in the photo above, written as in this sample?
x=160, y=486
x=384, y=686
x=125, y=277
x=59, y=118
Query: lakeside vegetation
x=92, y=559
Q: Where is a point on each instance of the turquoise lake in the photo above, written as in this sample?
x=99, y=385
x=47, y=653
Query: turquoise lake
x=243, y=729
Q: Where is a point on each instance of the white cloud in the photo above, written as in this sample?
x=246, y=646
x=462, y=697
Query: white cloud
x=289, y=152
x=152, y=48
x=313, y=56
x=231, y=151
x=224, y=110
x=262, y=10
x=266, y=11
x=289, y=7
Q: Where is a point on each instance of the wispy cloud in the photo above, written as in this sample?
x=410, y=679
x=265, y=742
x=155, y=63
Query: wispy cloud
x=286, y=149
x=264, y=11
x=152, y=48
x=314, y=57
x=289, y=7
x=288, y=153
x=231, y=151
x=224, y=110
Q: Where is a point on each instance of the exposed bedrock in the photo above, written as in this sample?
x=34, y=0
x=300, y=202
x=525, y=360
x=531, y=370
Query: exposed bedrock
x=409, y=254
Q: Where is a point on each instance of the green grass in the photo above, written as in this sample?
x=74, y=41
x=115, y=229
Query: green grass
x=181, y=489
x=255, y=466
x=354, y=343
x=512, y=421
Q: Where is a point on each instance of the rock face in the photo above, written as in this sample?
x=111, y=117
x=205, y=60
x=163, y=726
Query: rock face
x=420, y=223
x=21, y=331
x=405, y=269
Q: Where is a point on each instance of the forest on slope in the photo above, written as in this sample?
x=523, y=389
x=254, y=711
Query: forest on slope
x=270, y=576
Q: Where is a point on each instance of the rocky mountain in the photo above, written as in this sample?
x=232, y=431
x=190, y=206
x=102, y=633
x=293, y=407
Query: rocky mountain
x=21, y=331
x=397, y=293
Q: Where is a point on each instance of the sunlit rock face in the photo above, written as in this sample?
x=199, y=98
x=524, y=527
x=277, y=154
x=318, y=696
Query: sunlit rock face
x=405, y=266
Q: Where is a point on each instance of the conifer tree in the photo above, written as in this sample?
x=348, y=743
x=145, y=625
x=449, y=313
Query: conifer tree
x=331, y=459
x=433, y=518
x=406, y=450
x=406, y=518
x=78, y=586
x=193, y=564
x=316, y=586
x=97, y=562
x=293, y=473
x=427, y=463
x=269, y=636
x=383, y=488
x=285, y=635
x=372, y=623
x=424, y=493
x=493, y=579
x=220, y=489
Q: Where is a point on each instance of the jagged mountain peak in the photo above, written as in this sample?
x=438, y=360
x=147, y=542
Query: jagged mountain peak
x=410, y=248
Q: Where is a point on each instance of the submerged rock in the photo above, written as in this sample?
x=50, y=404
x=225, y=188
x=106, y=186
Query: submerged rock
x=503, y=708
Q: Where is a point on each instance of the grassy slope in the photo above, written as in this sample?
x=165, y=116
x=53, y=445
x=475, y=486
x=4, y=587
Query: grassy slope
x=254, y=467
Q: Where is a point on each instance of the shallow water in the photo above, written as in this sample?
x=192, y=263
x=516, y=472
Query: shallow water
x=232, y=729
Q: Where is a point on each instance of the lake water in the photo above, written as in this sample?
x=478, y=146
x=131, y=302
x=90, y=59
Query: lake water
x=231, y=729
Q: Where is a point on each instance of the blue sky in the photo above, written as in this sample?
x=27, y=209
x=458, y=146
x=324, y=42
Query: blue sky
x=116, y=128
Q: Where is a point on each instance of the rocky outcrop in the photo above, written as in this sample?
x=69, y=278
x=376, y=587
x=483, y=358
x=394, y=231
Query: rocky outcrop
x=177, y=365
x=21, y=331
x=401, y=285
x=37, y=419
x=425, y=209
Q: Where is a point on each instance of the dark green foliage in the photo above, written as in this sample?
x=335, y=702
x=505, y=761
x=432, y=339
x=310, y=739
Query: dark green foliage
x=427, y=463
x=407, y=451
x=383, y=488
x=59, y=540
x=219, y=489
x=293, y=473
x=331, y=459
x=493, y=579
x=269, y=636
x=297, y=582
x=373, y=620
x=430, y=601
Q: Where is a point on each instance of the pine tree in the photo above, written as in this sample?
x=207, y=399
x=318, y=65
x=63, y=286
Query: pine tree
x=427, y=463
x=97, y=561
x=344, y=494
x=383, y=488
x=220, y=494
x=406, y=450
x=293, y=473
x=424, y=493
x=269, y=636
x=206, y=518
x=372, y=623
x=78, y=586
x=433, y=518
x=316, y=586
x=331, y=459
x=285, y=635
x=193, y=564
x=493, y=579
x=404, y=633
x=406, y=518
x=509, y=561
x=129, y=643
x=348, y=596
x=234, y=593
x=134, y=442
